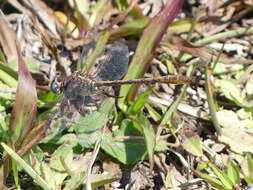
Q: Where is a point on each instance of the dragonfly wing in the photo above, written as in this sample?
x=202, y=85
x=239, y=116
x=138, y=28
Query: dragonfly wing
x=113, y=63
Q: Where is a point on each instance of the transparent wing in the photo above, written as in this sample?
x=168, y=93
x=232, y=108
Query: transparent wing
x=113, y=63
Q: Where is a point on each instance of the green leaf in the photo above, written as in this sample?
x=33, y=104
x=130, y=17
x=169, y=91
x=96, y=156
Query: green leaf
x=133, y=27
x=149, y=136
x=64, y=152
x=209, y=179
x=227, y=183
x=96, y=120
x=8, y=79
x=193, y=145
x=233, y=173
x=247, y=168
x=151, y=37
x=122, y=4
x=101, y=43
x=140, y=102
x=5, y=95
x=53, y=178
x=125, y=144
x=231, y=92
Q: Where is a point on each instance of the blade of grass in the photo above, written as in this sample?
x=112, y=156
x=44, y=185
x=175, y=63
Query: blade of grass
x=26, y=167
x=97, y=51
x=211, y=100
x=151, y=37
x=149, y=135
x=224, y=35
x=213, y=181
x=210, y=95
x=233, y=173
x=95, y=10
x=227, y=183
x=7, y=79
x=134, y=27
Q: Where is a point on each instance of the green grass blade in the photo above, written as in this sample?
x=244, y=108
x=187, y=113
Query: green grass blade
x=151, y=37
x=26, y=167
x=227, y=183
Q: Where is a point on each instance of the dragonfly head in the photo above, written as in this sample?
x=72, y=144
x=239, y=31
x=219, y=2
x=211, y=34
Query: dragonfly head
x=56, y=85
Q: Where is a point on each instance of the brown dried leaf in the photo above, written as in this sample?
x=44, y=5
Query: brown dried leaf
x=47, y=16
x=7, y=40
x=206, y=54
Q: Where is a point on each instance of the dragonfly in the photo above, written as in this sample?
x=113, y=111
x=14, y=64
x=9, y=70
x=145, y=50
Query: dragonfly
x=84, y=92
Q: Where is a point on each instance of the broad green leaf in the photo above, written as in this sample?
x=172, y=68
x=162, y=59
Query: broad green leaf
x=193, y=145
x=92, y=123
x=53, y=178
x=125, y=144
x=64, y=152
x=219, y=68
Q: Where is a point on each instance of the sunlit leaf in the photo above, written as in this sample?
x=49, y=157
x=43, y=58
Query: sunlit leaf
x=247, y=169
x=193, y=145
x=227, y=183
x=139, y=103
x=233, y=173
x=125, y=145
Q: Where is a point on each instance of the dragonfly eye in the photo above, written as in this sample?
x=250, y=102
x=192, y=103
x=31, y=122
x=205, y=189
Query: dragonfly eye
x=56, y=84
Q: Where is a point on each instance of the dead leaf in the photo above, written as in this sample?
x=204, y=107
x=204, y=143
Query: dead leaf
x=47, y=16
x=7, y=40
x=206, y=54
